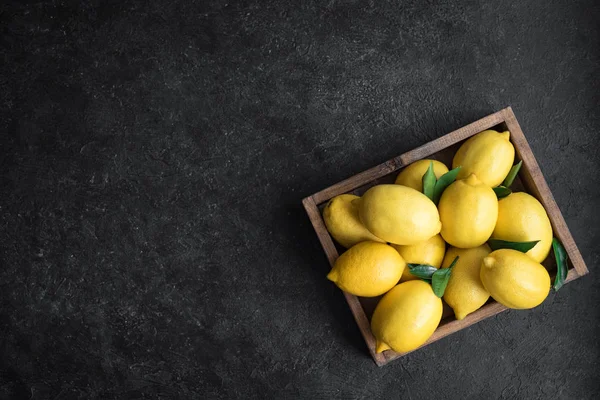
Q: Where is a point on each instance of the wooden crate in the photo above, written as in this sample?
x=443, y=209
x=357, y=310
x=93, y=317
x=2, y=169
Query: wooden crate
x=530, y=179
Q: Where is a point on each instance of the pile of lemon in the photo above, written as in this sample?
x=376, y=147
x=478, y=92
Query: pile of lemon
x=426, y=237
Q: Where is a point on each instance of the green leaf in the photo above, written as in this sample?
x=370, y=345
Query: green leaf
x=512, y=174
x=502, y=191
x=442, y=183
x=440, y=279
x=422, y=271
x=561, y=264
x=429, y=181
x=523, y=247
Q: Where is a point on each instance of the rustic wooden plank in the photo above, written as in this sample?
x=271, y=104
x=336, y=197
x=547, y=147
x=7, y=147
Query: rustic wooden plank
x=319, y=226
x=355, y=307
x=364, y=325
x=537, y=186
x=352, y=183
x=448, y=328
x=396, y=163
x=571, y=275
x=451, y=138
x=453, y=326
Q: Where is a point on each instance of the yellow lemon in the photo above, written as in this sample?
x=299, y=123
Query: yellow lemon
x=398, y=214
x=429, y=252
x=342, y=221
x=406, y=317
x=522, y=218
x=412, y=175
x=489, y=155
x=465, y=292
x=515, y=280
x=367, y=269
x=468, y=210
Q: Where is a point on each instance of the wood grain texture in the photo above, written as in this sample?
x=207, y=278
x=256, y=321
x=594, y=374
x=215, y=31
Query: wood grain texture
x=454, y=325
x=403, y=160
x=536, y=185
x=319, y=225
x=357, y=310
x=533, y=182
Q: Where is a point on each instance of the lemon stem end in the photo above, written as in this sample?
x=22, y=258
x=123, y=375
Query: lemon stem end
x=488, y=262
x=332, y=276
x=381, y=347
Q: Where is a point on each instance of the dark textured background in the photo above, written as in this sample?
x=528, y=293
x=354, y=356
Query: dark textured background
x=154, y=158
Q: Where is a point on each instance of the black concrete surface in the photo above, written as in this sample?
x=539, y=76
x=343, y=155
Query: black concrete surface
x=155, y=154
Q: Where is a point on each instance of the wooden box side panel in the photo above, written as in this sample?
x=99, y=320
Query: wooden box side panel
x=398, y=162
x=332, y=254
x=488, y=310
x=537, y=186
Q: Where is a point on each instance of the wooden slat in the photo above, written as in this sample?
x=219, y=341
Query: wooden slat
x=451, y=138
x=454, y=326
x=572, y=275
x=365, y=328
x=319, y=225
x=357, y=310
x=537, y=186
x=451, y=327
x=396, y=163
